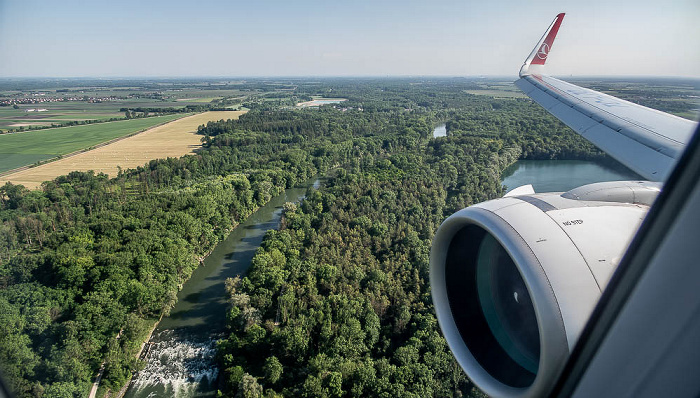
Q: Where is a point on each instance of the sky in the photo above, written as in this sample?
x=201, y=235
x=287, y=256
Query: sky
x=158, y=38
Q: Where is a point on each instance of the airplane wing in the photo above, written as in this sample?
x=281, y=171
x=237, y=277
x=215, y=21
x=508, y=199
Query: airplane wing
x=514, y=280
x=646, y=140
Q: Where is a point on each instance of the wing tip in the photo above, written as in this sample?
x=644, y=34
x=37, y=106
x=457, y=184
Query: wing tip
x=534, y=63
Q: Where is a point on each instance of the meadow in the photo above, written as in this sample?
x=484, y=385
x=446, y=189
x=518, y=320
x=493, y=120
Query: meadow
x=26, y=148
x=496, y=88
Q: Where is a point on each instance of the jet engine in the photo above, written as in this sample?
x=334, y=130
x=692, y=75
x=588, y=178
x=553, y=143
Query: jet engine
x=515, y=279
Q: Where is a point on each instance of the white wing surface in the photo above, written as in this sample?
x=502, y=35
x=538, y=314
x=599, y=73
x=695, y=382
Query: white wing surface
x=645, y=140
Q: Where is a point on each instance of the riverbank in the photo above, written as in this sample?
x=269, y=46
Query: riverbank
x=147, y=339
x=182, y=344
x=95, y=390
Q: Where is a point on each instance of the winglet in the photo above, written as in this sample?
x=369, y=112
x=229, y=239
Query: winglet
x=539, y=54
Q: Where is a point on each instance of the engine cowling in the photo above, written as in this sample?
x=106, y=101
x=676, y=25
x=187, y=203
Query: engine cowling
x=515, y=279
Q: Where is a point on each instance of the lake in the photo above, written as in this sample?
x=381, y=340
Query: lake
x=562, y=175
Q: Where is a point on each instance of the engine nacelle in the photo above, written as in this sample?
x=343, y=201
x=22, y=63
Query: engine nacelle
x=515, y=279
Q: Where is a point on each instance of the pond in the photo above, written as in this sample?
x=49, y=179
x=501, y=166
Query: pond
x=440, y=131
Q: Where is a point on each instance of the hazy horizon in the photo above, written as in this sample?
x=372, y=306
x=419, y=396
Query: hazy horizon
x=313, y=38
x=298, y=77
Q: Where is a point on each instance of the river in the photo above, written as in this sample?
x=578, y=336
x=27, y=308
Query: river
x=440, y=131
x=562, y=175
x=180, y=359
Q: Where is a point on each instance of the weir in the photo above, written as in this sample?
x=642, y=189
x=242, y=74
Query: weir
x=180, y=356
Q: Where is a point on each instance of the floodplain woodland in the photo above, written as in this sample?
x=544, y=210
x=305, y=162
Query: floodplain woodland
x=336, y=301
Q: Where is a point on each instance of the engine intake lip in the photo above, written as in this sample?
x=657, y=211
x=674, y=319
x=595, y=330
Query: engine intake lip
x=455, y=308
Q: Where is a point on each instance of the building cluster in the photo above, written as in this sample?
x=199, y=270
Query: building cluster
x=44, y=99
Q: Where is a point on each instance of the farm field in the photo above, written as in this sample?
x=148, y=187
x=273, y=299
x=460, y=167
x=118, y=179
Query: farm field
x=204, y=100
x=174, y=139
x=498, y=93
x=21, y=149
x=31, y=103
x=497, y=89
x=57, y=113
x=676, y=96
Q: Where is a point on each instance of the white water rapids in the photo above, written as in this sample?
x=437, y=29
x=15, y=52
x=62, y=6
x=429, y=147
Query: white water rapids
x=176, y=366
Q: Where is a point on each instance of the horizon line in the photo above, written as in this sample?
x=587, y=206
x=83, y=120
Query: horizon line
x=242, y=77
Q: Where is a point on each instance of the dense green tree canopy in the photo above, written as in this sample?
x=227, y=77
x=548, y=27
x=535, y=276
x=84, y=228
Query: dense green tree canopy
x=336, y=302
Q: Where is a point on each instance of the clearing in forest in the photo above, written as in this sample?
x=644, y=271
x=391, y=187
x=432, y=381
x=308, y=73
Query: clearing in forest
x=173, y=139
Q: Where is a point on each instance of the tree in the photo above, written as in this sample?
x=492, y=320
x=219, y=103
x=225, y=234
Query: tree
x=272, y=369
x=249, y=387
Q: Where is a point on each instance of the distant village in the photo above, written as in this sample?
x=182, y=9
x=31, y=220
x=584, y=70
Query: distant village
x=40, y=99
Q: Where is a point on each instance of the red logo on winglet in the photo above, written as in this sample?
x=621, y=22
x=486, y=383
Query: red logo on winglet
x=546, y=46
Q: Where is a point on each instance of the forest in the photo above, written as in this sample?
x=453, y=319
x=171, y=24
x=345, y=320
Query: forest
x=336, y=302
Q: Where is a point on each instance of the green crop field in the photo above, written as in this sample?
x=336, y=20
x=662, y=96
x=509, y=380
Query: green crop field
x=36, y=104
x=21, y=149
x=61, y=112
x=200, y=100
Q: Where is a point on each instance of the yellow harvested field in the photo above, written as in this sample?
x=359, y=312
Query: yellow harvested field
x=174, y=139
